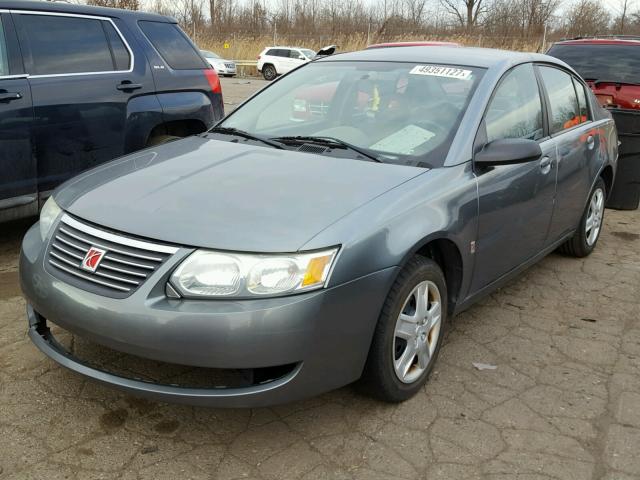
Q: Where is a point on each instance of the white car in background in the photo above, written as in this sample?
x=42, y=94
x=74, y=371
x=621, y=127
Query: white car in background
x=274, y=61
x=226, y=68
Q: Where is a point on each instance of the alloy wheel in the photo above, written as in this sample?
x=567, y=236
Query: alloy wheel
x=417, y=331
x=593, y=223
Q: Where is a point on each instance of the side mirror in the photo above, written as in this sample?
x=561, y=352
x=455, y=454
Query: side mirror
x=508, y=151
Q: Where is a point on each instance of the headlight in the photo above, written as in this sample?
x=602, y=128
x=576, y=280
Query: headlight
x=216, y=274
x=50, y=211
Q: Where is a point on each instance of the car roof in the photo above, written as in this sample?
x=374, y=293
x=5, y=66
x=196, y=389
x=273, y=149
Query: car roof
x=414, y=44
x=602, y=40
x=64, y=7
x=466, y=56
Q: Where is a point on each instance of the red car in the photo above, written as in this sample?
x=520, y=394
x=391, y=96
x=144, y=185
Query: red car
x=611, y=67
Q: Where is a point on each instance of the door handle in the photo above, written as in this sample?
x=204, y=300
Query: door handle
x=591, y=142
x=9, y=96
x=127, y=85
x=545, y=165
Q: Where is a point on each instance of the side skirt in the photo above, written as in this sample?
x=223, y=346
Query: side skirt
x=507, y=277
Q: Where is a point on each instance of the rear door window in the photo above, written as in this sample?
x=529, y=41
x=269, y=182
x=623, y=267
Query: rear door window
x=4, y=58
x=121, y=56
x=562, y=96
x=582, y=100
x=173, y=45
x=60, y=44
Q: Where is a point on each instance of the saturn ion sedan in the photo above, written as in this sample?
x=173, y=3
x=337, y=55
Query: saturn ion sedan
x=313, y=251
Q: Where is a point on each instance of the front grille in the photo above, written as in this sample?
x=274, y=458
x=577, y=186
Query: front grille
x=126, y=263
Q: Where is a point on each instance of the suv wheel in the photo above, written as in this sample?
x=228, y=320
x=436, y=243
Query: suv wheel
x=269, y=72
x=584, y=240
x=409, y=332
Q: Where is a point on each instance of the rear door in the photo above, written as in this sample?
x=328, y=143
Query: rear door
x=18, y=185
x=577, y=143
x=515, y=201
x=82, y=73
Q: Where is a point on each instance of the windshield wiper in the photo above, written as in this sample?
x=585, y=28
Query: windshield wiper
x=326, y=141
x=243, y=134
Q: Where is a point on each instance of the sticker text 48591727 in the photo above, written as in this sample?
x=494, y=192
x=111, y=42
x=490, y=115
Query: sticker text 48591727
x=441, y=71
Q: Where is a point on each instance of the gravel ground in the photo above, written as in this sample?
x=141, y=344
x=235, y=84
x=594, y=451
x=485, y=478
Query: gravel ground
x=563, y=402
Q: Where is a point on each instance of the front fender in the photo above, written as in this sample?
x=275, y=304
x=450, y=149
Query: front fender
x=441, y=203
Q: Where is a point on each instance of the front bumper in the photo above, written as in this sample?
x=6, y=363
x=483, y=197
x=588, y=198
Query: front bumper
x=326, y=334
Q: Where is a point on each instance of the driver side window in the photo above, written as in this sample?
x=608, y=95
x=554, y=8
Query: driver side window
x=515, y=110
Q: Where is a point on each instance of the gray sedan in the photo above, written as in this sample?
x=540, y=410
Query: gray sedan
x=309, y=248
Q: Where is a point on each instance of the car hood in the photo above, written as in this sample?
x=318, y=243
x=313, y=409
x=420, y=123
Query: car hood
x=216, y=194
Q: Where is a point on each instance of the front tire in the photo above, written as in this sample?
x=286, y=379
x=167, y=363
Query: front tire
x=269, y=72
x=409, y=333
x=584, y=240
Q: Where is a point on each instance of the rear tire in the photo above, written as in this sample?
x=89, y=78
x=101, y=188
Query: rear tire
x=269, y=72
x=408, y=334
x=584, y=240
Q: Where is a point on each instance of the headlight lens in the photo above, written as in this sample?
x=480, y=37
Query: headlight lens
x=48, y=215
x=216, y=274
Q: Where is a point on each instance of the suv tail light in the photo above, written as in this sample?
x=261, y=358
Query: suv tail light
x=214, y=80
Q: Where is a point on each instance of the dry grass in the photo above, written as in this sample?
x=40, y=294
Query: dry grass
x=248, y=48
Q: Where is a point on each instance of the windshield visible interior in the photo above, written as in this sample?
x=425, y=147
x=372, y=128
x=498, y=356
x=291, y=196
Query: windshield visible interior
x=608, y=63
x=405, y=113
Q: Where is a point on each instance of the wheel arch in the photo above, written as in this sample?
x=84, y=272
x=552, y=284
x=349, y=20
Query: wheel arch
x=607, y=176
x=177, y=128
x=446, y=253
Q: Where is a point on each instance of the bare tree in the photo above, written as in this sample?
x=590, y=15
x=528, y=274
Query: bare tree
x=587, y=17
x=620, y=23
x=466, y=12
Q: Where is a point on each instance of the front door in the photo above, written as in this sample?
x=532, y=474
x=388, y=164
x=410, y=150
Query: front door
x=18, y=185
x=515, y=201
x=81, y=77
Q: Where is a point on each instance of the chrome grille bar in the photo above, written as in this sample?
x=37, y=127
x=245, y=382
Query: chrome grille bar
x=125, y=266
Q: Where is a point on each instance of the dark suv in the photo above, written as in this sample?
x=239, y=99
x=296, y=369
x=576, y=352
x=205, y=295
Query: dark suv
x=82, y=85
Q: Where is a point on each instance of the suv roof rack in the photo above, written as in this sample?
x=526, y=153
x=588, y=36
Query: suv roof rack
x=604, y=37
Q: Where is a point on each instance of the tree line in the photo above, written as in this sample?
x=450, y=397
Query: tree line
x=387, y=19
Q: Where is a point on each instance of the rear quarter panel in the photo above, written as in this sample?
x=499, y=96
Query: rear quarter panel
x=183, y=94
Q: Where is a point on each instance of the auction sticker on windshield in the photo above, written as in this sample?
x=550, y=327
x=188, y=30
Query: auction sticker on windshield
x=441, y=71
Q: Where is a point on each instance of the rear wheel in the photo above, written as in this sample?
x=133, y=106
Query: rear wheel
x=269, y=72
x=585, y=238
x=409, y=333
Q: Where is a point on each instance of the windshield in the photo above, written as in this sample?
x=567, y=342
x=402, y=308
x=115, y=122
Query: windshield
x=310, y=54
x=208, y=54
x=404, y=113
x=602, y=62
